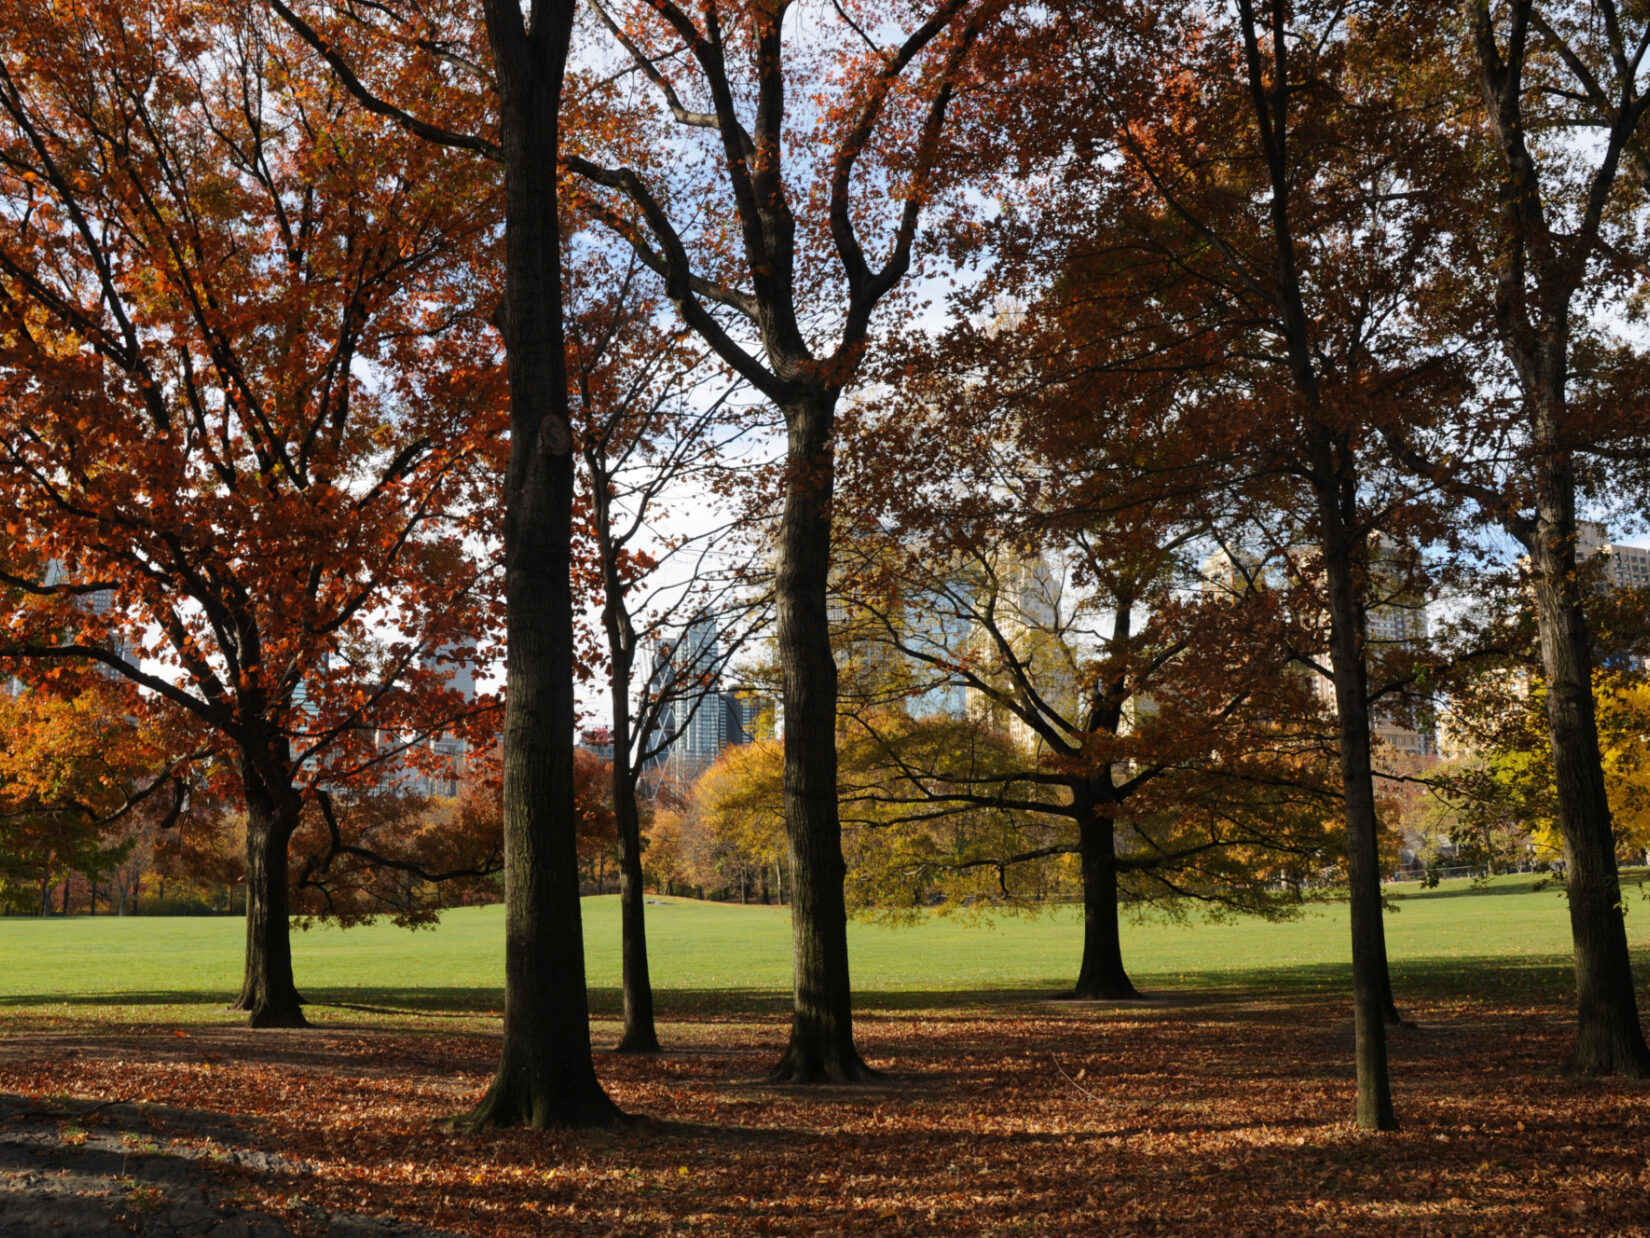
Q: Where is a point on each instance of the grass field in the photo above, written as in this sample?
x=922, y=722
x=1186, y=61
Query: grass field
x=704, y=954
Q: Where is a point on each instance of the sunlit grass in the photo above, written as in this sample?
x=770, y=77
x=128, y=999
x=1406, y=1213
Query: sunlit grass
x=710, y=956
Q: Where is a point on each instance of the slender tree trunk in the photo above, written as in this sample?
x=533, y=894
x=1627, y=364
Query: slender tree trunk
x=822, y=1034
x=268, y=993
x=1538, y=285
x=1609, y=1037
x=45, y=893
x=546, y=1076
x=1371, y=990
x=1333, y=470
x=640, y=1035
x=1102, y=976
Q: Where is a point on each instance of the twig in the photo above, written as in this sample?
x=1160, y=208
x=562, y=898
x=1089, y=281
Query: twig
x=84, y=1113
x=1069, y=1079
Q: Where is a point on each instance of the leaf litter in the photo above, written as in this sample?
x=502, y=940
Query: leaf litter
x=1199, y=1115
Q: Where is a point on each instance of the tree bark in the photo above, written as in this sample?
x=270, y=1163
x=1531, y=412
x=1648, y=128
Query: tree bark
x=546, y=1076
x=822, y=1037
x=1102, y=976
x=268, y=993
x=640, y=1035
x=1389, y=1005
x=1370, y=987
x=1609, y=1037
x=1540, y=272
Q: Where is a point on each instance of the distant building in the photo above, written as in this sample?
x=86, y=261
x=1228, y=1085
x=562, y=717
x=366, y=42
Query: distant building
x=1396, y=618
x=1022, y=596
x=709, y=719
x=99, y=603
x=433, y=765
x=1623, y=567
x=751, y=716
x=599, y=740
x=1233, y=573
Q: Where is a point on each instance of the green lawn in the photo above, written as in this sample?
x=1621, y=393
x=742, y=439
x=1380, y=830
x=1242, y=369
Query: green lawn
x=1515, y=936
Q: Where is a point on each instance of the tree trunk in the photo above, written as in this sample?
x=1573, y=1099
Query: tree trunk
x=1609, y=1037
x=1370, y=989
x=822, y=1034
x=268, y=993
x=1389, y=1005
x=1101, y=977
x=1535, y=298
x=546, y=1076
x=640, y=1035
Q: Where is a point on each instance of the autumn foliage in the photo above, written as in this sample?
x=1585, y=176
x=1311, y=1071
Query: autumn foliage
x=252, y=405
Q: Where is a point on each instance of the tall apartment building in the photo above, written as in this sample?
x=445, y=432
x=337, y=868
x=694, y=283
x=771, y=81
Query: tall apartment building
x=432, y=765
x=1622, y=566
x=710, y=719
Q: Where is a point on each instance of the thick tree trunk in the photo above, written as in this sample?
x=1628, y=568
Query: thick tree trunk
x=1609, y=1037
x=546, y=1076
x=268, y=993
x=822, y=1034
x=1371, y=989
x=1102, y=976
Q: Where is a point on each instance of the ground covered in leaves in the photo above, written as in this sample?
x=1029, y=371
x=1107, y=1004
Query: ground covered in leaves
x=1194, y=1114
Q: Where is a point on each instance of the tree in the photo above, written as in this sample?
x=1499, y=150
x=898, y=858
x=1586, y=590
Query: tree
x=647, y=426
x=434, y=55
x=734, y=819
x=1069, y=699
x=1562, y=116
x=247, y=404
x=1250, y=177
x=75, y=773
x=779, y=284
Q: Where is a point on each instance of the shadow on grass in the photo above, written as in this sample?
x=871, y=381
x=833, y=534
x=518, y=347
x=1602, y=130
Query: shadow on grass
x=1541, y=978
x=1512, y=883
x=1546, y=886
